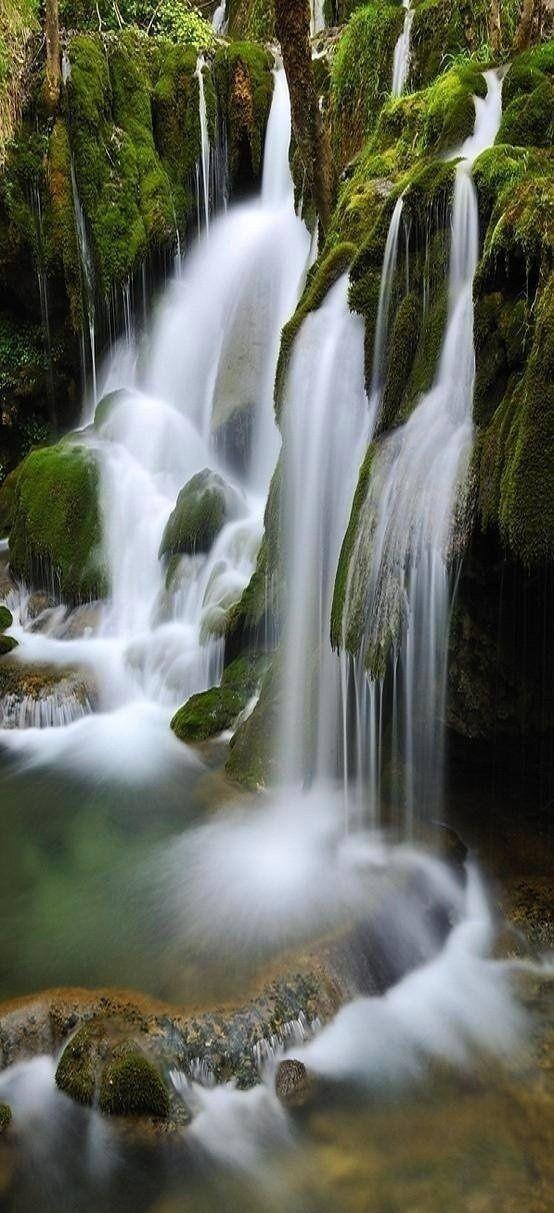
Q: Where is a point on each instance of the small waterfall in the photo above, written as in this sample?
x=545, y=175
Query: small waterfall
x=401, y=62
x=42, y=280
x=326, y=425
x=317, y=16
x=87, y=274
x=410, y=516
x=385, y=291
x=219, y=20
x=203, y=166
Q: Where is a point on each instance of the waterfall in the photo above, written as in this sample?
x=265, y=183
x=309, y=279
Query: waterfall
x=410, y=515
x=219, y=20
x=317, y=16
x=208, y=377
x=325, y=429
x=203, y=166
x=401, y=62
x=87, y=274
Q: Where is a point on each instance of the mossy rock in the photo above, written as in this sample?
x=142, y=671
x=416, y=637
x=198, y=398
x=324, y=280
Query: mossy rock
x=211, y=712
x=5, y=1117
x=102, y=1063
x=106, y=407
x=203, y=506
x=528, y=95
x=6, y=618
x=7, y=645
x=252, y=758
x=55, y=532
x=132, y=1086
x=361, y=74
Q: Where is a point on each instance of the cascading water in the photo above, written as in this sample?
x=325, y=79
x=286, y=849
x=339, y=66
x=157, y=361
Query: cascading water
x=325, y=428
x=211, y=368
x=401, y=61
x=203, y=166
x=317, y=16
x=409, y=520
x=219, y=20
x=87, y=278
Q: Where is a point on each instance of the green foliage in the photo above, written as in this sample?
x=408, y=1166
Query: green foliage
x=55, y=529
x=361, y=74
x=179, y=20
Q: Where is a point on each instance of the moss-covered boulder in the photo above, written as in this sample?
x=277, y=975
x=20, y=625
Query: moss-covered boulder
x=7, y=643
x=103, y=1064
x=203, y=506
x=132, y=1086
x=5, y=1117
x=252, y=754
x=211, y=712
x=55, y=524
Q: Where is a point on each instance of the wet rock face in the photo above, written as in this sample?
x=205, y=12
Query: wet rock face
x=203, y=507
x=35, y=696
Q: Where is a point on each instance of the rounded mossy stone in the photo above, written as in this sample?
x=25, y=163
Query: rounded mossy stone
x=203, y=506
x=5, y=1117
x=106, y=406
x=209, y=713
x=6, y=618
x=76, y=1070
x=132, y=1086
x=56, y=532
x=7, y=644
x=206, y=715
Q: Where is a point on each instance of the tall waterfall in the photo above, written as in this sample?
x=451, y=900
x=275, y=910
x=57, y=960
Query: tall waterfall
x=401, y=62
x=410, y=517
x=210, y=368
x=326, y=425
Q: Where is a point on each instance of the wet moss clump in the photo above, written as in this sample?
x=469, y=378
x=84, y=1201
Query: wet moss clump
x=528, y=96
x=75, y=1074
x=251, y=759
x=203, y=506
x=5, y=1117
x=321, y=278
x=55, y=525
x=131, y=1086
x=212, y=712
x=7, y=643
x=361, y=75
x=243, y=73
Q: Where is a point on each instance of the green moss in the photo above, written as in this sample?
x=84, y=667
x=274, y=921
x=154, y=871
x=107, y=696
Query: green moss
x=346, y=629
x=502, y=326
x=6, y=618
x=244, y=77
x=516, y=451
x=450, y=113
x=446, y=31
x=404, y=341
x=7, y=645
x=252, y=19
x=132, y=1086
x=211, y=712
x=251, y=759
x=62, y=216
x=321, y=278
x=75, y=1073
x=202, y=508
x=361, y=74
x=55, y=534
x=5, y=1117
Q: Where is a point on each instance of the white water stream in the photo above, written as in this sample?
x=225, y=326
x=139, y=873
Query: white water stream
x=401, y=61
x=410, y=516
x=211, y=361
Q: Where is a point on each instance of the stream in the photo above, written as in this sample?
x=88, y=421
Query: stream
x=127, y=861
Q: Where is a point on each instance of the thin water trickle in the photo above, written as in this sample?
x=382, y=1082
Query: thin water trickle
x=205, y=151
x=401, y=62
